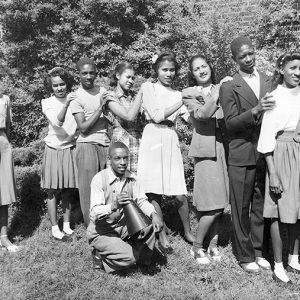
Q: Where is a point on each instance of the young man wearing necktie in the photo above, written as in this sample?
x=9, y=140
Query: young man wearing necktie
x=244, y=100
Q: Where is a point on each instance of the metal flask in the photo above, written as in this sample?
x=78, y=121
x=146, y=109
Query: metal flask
x=135, y=219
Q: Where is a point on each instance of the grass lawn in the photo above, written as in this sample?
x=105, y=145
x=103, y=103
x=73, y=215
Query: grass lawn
x=47, y=269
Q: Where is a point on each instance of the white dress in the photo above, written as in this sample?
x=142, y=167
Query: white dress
x=160, y=166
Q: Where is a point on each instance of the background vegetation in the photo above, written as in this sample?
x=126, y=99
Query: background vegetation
x=38, y=35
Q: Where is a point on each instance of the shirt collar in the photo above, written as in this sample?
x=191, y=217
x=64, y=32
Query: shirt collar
x=112, y=176
x=255, y=73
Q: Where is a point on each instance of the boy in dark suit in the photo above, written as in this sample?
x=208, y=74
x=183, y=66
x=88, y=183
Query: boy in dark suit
x=244, y=99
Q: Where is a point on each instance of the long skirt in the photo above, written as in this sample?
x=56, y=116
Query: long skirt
x=211, y=186
x=59, y=170
x=286, y=156
x=160, y=166
x=7, y=177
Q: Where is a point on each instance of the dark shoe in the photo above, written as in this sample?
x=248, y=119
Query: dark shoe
x=277, y=279
x=97, y=261
x=293, y=270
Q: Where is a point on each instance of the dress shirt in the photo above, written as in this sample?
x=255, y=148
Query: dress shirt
x=252, y=80
x=105, y=187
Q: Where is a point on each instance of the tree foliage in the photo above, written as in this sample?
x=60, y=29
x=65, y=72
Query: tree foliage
x=39, y=35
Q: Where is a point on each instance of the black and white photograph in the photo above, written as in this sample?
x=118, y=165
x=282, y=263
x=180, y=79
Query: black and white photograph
x=149, y=149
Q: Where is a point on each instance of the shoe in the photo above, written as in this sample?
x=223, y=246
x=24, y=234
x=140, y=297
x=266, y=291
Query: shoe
x=65, y=238
x=263, y=263
x=292, y=269
x=97, y=261
x=277, y=279
x=251, y=267
x=200, y=256
x=11, y=248
x=214, y=254
x=189, y=239
x=164, y=250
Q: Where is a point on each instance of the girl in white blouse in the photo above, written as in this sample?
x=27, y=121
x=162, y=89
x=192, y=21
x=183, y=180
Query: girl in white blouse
x=59, y=171
x=279, y=141
x=160, y=166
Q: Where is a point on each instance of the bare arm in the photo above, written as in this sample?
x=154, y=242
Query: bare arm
x=62, y=114
x=170, y=110
x=125, y=114
x=275, y=185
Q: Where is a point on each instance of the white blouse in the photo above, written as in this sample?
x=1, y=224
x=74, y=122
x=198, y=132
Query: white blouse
x=284, y=117
x=164, y=97
x=60, y=135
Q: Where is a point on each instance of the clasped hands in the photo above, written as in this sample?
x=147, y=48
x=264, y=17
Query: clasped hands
x=124, y=199
x=267, y=102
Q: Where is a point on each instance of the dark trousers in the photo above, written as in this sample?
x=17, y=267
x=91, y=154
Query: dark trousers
x=247, y=203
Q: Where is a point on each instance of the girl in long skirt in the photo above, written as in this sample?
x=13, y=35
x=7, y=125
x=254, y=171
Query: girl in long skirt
x=211, y=187
x=7, y=178
x=279, y=141
x=160, y=165
x=59, y=172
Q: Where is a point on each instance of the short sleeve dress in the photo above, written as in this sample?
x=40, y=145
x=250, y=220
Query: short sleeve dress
x=278, y=136
x=127, y=132
x=160, y=166
x=7, y=177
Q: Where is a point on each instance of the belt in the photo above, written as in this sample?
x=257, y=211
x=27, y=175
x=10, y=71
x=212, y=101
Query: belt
x=165, y=123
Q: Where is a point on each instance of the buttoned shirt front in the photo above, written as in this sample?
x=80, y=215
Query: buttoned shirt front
x=105, y=187
x=252, y=80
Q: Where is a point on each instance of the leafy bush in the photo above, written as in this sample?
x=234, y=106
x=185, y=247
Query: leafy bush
x=40, y=35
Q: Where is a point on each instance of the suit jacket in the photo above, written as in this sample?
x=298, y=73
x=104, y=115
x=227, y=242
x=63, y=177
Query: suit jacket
x=237, y=100
x=203, y=112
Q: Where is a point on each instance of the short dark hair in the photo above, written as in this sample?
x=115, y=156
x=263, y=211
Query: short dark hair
x=238, y=42
x=119, y=69
x=117, y=145
x=281, y=63
x=85, y=61
x=191, y=80
x=165, y=56
x=63, y=74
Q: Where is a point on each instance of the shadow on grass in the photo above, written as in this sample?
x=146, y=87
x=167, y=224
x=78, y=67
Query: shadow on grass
x=27, y=212
x=173, y=221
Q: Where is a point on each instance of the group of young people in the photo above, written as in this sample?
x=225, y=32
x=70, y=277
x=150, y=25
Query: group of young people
x=140, y=160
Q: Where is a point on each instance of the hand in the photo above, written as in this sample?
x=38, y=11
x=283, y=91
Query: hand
x=157, y=222
x=123, y=199
x=275, y=185
x=72, y=96
x=267, y=102
x=225, y=79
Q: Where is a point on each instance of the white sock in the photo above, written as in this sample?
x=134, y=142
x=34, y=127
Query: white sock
x=280, y=272
x=294, y=261
x=56, y=232
x=67, y=229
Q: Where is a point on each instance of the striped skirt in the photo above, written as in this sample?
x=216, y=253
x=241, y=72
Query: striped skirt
x=286, y=156
x=7, y=177
x=59, y=170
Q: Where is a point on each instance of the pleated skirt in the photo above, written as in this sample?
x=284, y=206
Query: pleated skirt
x=286, y=156
x=59, y=170
x=7, y=177
x=160, y=166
